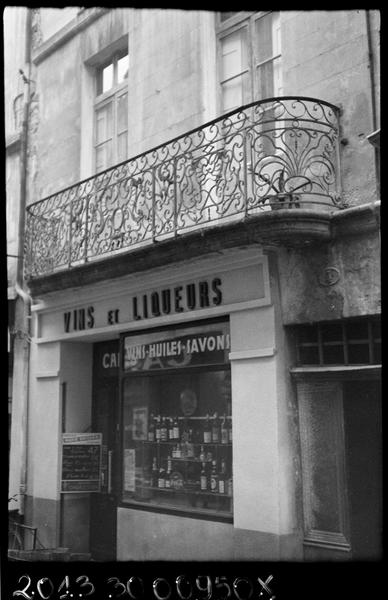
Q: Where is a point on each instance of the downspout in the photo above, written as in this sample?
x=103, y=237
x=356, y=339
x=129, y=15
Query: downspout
x=19, y=283
x=373, y=95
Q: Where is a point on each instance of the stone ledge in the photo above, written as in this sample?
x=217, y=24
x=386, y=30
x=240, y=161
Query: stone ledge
x=287, y=227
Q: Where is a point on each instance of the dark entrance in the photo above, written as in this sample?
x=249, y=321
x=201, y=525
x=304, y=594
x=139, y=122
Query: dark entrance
x=363, y=434
x=103, y=517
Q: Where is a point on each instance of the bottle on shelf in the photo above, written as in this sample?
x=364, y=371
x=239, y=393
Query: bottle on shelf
x=222, y=478
x=230, y=486
x=151, y=429
x=162, y=478
x=170, y=430
x=175, y=427
x=167, y=480
x=214, y=478
x=224, y=431
x=215, y=429
x=157, y=429
x=207, y=433
x=154, y=473
x=230, y=436
x=203, y=478
x=202, y=455
x=163, y=431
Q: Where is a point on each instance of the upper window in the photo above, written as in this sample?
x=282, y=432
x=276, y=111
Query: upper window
x=348, y=342
x=111, y=112
x=249, y=59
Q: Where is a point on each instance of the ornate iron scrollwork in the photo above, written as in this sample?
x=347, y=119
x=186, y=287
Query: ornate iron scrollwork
x=273, y=154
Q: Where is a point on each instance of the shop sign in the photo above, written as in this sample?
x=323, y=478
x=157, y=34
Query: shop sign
x=81, y=462
x=189, y=350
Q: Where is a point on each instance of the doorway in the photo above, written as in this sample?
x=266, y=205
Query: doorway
x=103, y=505
x=363, y=447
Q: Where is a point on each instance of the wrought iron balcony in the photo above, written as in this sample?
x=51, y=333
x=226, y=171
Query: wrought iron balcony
x=280, y=153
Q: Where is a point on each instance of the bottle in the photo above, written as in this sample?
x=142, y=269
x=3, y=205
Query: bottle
x=176, y=429
x=163, y=431
x=154, y=473
x=224, y=431
x=162, y=478
x=170, y=430
x=222, y=480
x=214, y=478
x=151, y=429
x=157, y=429
x=230, y=431
x=215, y=429
x=202, y=456
x=203, y=478
x=230, y=487
x=167, y=481
x=207, y=434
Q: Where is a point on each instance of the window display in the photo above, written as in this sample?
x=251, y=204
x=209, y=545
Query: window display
x=177, y=433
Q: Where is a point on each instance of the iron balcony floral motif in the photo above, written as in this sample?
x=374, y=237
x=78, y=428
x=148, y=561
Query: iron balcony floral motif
x=280, y=153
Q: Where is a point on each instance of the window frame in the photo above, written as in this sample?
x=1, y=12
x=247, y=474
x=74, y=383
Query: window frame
x=243, y=19
x=103, y=99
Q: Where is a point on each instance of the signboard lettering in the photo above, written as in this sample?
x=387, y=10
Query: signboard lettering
x=81, y=462
x=193, y=350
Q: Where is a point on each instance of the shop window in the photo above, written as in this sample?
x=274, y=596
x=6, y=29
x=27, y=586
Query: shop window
x=348, y=342
x=111, y=112
x=250, y=58
x=177, y=421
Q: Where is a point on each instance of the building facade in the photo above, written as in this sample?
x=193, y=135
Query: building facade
x=201, y=275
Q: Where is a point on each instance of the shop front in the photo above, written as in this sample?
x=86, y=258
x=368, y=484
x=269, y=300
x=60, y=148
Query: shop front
x=180, y=374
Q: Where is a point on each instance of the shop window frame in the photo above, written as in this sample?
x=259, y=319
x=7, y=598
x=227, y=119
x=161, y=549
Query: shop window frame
x=155, y=508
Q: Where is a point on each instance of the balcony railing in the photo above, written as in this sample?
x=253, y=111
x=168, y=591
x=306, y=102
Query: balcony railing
x=274, y=154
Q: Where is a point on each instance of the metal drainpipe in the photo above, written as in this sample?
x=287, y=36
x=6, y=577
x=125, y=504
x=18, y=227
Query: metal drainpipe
x=19, y=283
x=373, y=95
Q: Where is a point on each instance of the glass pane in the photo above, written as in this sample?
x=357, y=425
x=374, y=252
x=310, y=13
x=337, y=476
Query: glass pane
x=226, y=15
x=331, y=332
x=320, y=411
x=235, y=93
x=357, y=330
x=309, y=355
x=103, y=156
x=107, y=78
x=122, y=113
x=177, y=441
x=333, y=355
x=122, y=68
x=265, y=81
x=234, y=54
x=122, y=153
x=358, y=354
x=263, y=41
x=104, y=123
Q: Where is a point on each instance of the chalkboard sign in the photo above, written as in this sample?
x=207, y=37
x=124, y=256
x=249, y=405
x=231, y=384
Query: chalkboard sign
x=81, y=462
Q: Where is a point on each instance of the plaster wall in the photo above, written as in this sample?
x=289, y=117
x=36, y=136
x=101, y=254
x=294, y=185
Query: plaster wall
x=12, y=212
x=14, y=27
x=53, y=19
x=325, y=55
x=305, y=297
